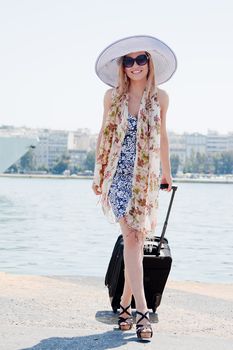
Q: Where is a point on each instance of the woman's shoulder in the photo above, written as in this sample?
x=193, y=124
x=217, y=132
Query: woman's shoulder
x=163, y=97
x=162, y=93
x=108, y=93
x=108, y=96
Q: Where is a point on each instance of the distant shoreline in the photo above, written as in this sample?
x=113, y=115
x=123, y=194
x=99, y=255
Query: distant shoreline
x=215, y=179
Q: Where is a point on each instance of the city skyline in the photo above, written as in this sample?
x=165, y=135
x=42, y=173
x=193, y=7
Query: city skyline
x=54, y=146
x=49, y=48
x=10, y=127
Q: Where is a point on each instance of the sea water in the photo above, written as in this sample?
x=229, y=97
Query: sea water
x=56, y=227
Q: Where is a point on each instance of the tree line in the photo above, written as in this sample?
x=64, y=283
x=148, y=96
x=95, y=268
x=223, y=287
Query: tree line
x=198, y=163
x=27, y=164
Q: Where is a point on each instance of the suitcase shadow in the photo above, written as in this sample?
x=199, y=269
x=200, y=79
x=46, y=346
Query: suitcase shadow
x=109, y=317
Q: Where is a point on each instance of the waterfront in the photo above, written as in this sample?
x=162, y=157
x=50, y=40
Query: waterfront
x=55, y=227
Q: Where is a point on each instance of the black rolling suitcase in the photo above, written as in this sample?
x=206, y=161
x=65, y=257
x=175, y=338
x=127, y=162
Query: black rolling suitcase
x=156, y=264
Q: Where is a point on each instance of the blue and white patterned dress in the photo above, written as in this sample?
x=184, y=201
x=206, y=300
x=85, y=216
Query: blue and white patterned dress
x=121, y=188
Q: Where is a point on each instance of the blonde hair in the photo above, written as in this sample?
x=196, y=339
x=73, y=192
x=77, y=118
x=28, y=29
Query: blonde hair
x=124, y=80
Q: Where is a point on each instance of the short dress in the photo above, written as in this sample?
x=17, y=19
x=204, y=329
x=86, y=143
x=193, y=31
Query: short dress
x=120, y=190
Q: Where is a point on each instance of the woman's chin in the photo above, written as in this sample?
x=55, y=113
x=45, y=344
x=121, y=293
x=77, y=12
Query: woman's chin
x=137, y=77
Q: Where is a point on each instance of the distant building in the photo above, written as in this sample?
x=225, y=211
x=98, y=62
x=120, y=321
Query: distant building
x=93, y=141
x=186, y=144
x=77, y=157
x=194, y=143
x=53, y=144
x=216, y=143
x=51, y=147
x=177, y=145
x=79, y=140
x=230, y=142
x=41, y=153
x=78, y=146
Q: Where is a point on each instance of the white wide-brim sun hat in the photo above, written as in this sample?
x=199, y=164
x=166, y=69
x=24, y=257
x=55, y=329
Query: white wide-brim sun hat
x=164, y=59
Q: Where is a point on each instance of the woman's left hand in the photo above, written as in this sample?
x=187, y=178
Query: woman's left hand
x=167, y=179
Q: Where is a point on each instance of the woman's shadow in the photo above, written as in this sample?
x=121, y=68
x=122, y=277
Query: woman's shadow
x=99, y=341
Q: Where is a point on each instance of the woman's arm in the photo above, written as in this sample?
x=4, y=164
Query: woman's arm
x=164, y=144
x=107, y=105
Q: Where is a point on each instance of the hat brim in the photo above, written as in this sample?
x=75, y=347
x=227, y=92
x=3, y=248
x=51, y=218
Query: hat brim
x=164, y=59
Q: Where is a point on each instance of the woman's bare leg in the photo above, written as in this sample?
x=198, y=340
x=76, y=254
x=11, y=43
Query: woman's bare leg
x=133, y=256
x=126, y=297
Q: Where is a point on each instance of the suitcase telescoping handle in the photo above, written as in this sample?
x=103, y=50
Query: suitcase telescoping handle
x=174, y=188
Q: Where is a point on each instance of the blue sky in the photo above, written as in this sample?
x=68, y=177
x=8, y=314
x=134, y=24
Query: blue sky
x=48, y=50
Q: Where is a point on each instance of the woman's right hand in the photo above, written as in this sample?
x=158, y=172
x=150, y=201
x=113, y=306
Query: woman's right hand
x=96, y=189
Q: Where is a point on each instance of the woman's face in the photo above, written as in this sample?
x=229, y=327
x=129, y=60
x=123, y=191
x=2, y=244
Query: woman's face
x=136, y=72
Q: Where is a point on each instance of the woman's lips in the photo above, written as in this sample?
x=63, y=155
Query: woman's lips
x=136, y=71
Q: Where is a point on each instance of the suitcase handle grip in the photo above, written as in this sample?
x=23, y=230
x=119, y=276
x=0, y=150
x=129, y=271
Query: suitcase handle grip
x=163, y=186
x=174, y=188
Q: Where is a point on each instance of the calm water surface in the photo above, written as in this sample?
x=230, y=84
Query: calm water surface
x=55, y=227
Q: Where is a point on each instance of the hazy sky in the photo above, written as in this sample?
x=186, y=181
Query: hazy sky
x=48, y=50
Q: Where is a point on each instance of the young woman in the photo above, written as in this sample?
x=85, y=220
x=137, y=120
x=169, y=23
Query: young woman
x=131, y=146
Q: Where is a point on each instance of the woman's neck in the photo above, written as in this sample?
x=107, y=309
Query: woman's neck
x=136, y=88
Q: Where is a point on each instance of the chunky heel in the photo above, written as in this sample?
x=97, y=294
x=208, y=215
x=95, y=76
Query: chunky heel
x=143, y=331
x=125, y=324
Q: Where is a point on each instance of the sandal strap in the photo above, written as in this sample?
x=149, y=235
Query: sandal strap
x=124, y=310
x=143, y=326
x=142, y=316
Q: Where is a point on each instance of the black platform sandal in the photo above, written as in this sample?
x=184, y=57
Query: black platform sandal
x=143, y=331
x=125, y=324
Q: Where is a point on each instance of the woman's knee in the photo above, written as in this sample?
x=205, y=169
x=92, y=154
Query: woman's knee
x=130, y=235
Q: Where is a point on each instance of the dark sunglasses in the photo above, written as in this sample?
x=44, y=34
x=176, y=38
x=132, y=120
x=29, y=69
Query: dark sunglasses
x=141, y=60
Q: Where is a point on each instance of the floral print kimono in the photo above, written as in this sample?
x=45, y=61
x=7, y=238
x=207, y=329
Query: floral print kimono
x=141, y=209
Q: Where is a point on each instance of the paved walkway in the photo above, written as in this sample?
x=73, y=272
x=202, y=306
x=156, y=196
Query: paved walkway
x=42, y=313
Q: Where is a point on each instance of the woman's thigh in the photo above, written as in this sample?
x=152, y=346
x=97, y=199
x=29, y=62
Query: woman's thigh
x=131, y=235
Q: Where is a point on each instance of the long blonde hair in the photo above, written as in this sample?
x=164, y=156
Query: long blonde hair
x=123, y=79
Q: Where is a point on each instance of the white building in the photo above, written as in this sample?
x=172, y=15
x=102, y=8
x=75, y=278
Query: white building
x=216, y=142
x=185, y=145
x=93, y=141
x=230, y=142
x=52, y=145
x=177, y=145
x=77, y=158
x=79, y=140
x=195, y=143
